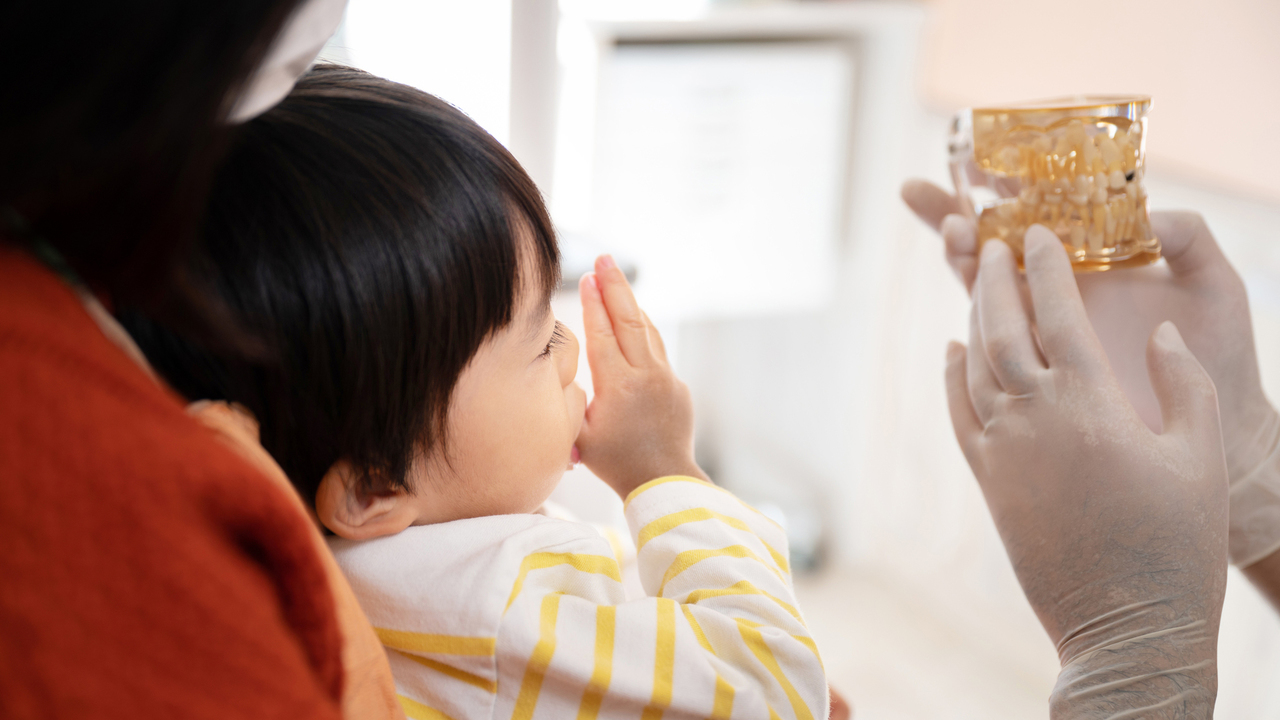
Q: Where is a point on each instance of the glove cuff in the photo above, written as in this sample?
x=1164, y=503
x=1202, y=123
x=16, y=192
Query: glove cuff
x=1138, y=675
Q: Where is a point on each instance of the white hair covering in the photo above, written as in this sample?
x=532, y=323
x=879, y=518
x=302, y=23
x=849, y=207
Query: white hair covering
x=291, y=54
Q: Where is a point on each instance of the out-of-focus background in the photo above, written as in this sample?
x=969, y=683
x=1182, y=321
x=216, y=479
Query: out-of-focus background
x=744, y=158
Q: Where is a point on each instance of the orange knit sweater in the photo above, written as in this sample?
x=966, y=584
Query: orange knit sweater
x=146, y=571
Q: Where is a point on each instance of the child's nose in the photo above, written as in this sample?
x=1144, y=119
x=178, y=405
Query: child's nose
x=569, y=358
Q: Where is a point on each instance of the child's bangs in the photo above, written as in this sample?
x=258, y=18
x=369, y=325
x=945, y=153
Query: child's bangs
x=534, y=242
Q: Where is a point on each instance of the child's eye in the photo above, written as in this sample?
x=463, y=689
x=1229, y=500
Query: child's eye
x=557, y=339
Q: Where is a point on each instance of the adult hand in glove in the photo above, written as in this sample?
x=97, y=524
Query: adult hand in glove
x=1117, y=534
x=1198, y=291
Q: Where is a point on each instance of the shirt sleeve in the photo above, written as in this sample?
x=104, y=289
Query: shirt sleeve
x=718, y=636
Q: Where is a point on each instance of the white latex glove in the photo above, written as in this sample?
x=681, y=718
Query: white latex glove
x=1198, y=291
x=1117, y=534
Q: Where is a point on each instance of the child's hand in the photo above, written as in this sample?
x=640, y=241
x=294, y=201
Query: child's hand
x=639, y=426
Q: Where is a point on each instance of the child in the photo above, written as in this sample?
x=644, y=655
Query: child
x=398, y=265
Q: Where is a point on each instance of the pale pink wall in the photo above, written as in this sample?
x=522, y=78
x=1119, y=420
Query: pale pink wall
x=1213, y=67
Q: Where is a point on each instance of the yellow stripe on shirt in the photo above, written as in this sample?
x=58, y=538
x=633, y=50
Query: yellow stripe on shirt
x=626, y=503
x=603, y=671
x=743, y=587
x=453, y=672
x=777, y=557
x=685, y=478
x=755, y=640
x=413, y=642
x=689, y=558
x=536, y=669
x=415, y=710
x=664, y=661
x=805, y=641
x=598, y=564
x=722, y=705
x=697, y=629
x=675, y=520
x=813, y=647
x=615, y=544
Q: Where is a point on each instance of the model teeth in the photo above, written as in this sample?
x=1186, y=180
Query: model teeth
x=1083, y=180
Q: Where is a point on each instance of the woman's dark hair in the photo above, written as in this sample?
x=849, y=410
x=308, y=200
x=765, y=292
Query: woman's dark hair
x=112, y=122
x=371, y=235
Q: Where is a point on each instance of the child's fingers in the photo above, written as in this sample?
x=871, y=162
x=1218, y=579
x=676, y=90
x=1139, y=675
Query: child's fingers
x=655, y=338
x=629, y=326
x=602, y=345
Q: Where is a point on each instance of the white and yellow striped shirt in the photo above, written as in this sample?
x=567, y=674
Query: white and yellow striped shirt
x=525, y=616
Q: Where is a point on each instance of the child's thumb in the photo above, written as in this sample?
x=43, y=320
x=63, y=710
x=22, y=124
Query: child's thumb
x=1188, y=398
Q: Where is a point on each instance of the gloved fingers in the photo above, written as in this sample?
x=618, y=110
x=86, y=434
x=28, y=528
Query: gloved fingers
x=940, y=210
x=1063, y=325
x=1185, y=242
x=929, y=202
x=1188, y=399
x=964, y=421
x=1006, y=330
x=960, y=237
x=983, y=386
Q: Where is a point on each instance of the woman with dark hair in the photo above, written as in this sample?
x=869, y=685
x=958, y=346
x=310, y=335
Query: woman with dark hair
x=150, y=567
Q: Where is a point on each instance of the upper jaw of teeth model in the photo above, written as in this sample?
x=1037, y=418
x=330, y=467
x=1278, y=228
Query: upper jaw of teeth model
x=1079, y=175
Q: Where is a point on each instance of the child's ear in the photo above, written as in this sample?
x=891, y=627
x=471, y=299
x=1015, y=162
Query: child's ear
x=356, y=515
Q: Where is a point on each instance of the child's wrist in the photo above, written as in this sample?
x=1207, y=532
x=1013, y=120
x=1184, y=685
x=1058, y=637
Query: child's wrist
x=660, y=479
x=627, y=488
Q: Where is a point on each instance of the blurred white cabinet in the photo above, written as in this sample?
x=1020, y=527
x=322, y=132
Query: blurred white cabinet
x=730, y=153
x=720, y=169
x=746, y=159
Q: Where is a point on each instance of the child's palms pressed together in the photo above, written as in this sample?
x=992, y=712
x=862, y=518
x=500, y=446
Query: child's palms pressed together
x=639, y=425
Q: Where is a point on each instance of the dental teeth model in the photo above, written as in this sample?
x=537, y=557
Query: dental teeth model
x=1074, y=166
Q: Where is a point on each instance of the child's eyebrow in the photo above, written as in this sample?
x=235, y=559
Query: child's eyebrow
x=536, y=320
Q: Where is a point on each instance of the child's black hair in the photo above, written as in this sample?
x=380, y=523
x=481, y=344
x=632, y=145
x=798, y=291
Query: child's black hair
x=370, y=235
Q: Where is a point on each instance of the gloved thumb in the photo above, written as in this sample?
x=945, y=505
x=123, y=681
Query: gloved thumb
x=1188, y=399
